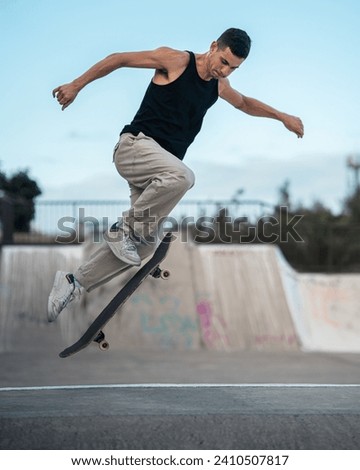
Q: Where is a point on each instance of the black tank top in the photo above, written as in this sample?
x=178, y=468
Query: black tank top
x=172, y=114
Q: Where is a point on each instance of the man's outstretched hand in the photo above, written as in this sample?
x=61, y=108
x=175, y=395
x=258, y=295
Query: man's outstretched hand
x=293, y=124
x=65, y=94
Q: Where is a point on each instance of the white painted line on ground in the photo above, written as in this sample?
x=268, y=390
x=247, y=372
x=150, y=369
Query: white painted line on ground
x=171, y=385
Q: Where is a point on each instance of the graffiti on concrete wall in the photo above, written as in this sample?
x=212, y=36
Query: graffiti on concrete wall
x=328, y=303
x=212, y=326
x=163, y=319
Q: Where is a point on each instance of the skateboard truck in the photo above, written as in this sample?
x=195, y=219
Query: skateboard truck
x=100, y=339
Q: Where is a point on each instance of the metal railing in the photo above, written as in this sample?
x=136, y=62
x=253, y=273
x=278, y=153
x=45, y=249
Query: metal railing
x=51, y=214
x=60, y=217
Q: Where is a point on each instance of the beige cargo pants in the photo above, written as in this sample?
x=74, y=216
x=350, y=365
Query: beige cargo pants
x=157, y=181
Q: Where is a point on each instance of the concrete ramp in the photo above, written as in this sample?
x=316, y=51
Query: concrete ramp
x=227, y=298
x=325, y=308
x=249, y=298
x=240, y=298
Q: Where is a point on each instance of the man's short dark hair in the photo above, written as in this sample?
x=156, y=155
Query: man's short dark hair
x=237, y=40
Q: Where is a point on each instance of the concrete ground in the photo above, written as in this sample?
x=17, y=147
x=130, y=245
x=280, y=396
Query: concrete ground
x=138, y=413
x=202, y=417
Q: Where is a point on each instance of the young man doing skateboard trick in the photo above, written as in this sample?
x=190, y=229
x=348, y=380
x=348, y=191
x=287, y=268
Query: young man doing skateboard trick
x=151, y=148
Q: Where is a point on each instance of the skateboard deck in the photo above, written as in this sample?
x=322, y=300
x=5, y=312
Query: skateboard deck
x=94, y=332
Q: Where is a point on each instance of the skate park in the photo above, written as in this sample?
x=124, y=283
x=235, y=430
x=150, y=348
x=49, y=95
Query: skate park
x=236, y=350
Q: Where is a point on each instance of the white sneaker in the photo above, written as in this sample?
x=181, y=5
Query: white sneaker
x=122, y=246
x=65, y=289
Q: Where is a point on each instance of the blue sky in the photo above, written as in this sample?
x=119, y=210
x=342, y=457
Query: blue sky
x=304, y=61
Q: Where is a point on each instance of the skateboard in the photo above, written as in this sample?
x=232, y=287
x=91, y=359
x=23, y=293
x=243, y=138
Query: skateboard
x=94, y=333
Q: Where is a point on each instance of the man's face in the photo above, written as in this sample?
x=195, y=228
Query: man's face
x=222, y=62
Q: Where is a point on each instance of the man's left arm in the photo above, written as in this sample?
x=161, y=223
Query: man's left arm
x=255, y=107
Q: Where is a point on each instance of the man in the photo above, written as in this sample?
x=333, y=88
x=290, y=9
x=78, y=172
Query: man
x=150, y=150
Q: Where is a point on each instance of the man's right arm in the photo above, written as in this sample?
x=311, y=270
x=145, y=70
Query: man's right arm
x=162, y=58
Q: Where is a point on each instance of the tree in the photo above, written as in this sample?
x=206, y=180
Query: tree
x=22, y=190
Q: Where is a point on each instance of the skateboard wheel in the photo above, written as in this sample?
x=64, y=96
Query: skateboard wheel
x=165, y=274
x=104, y=345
